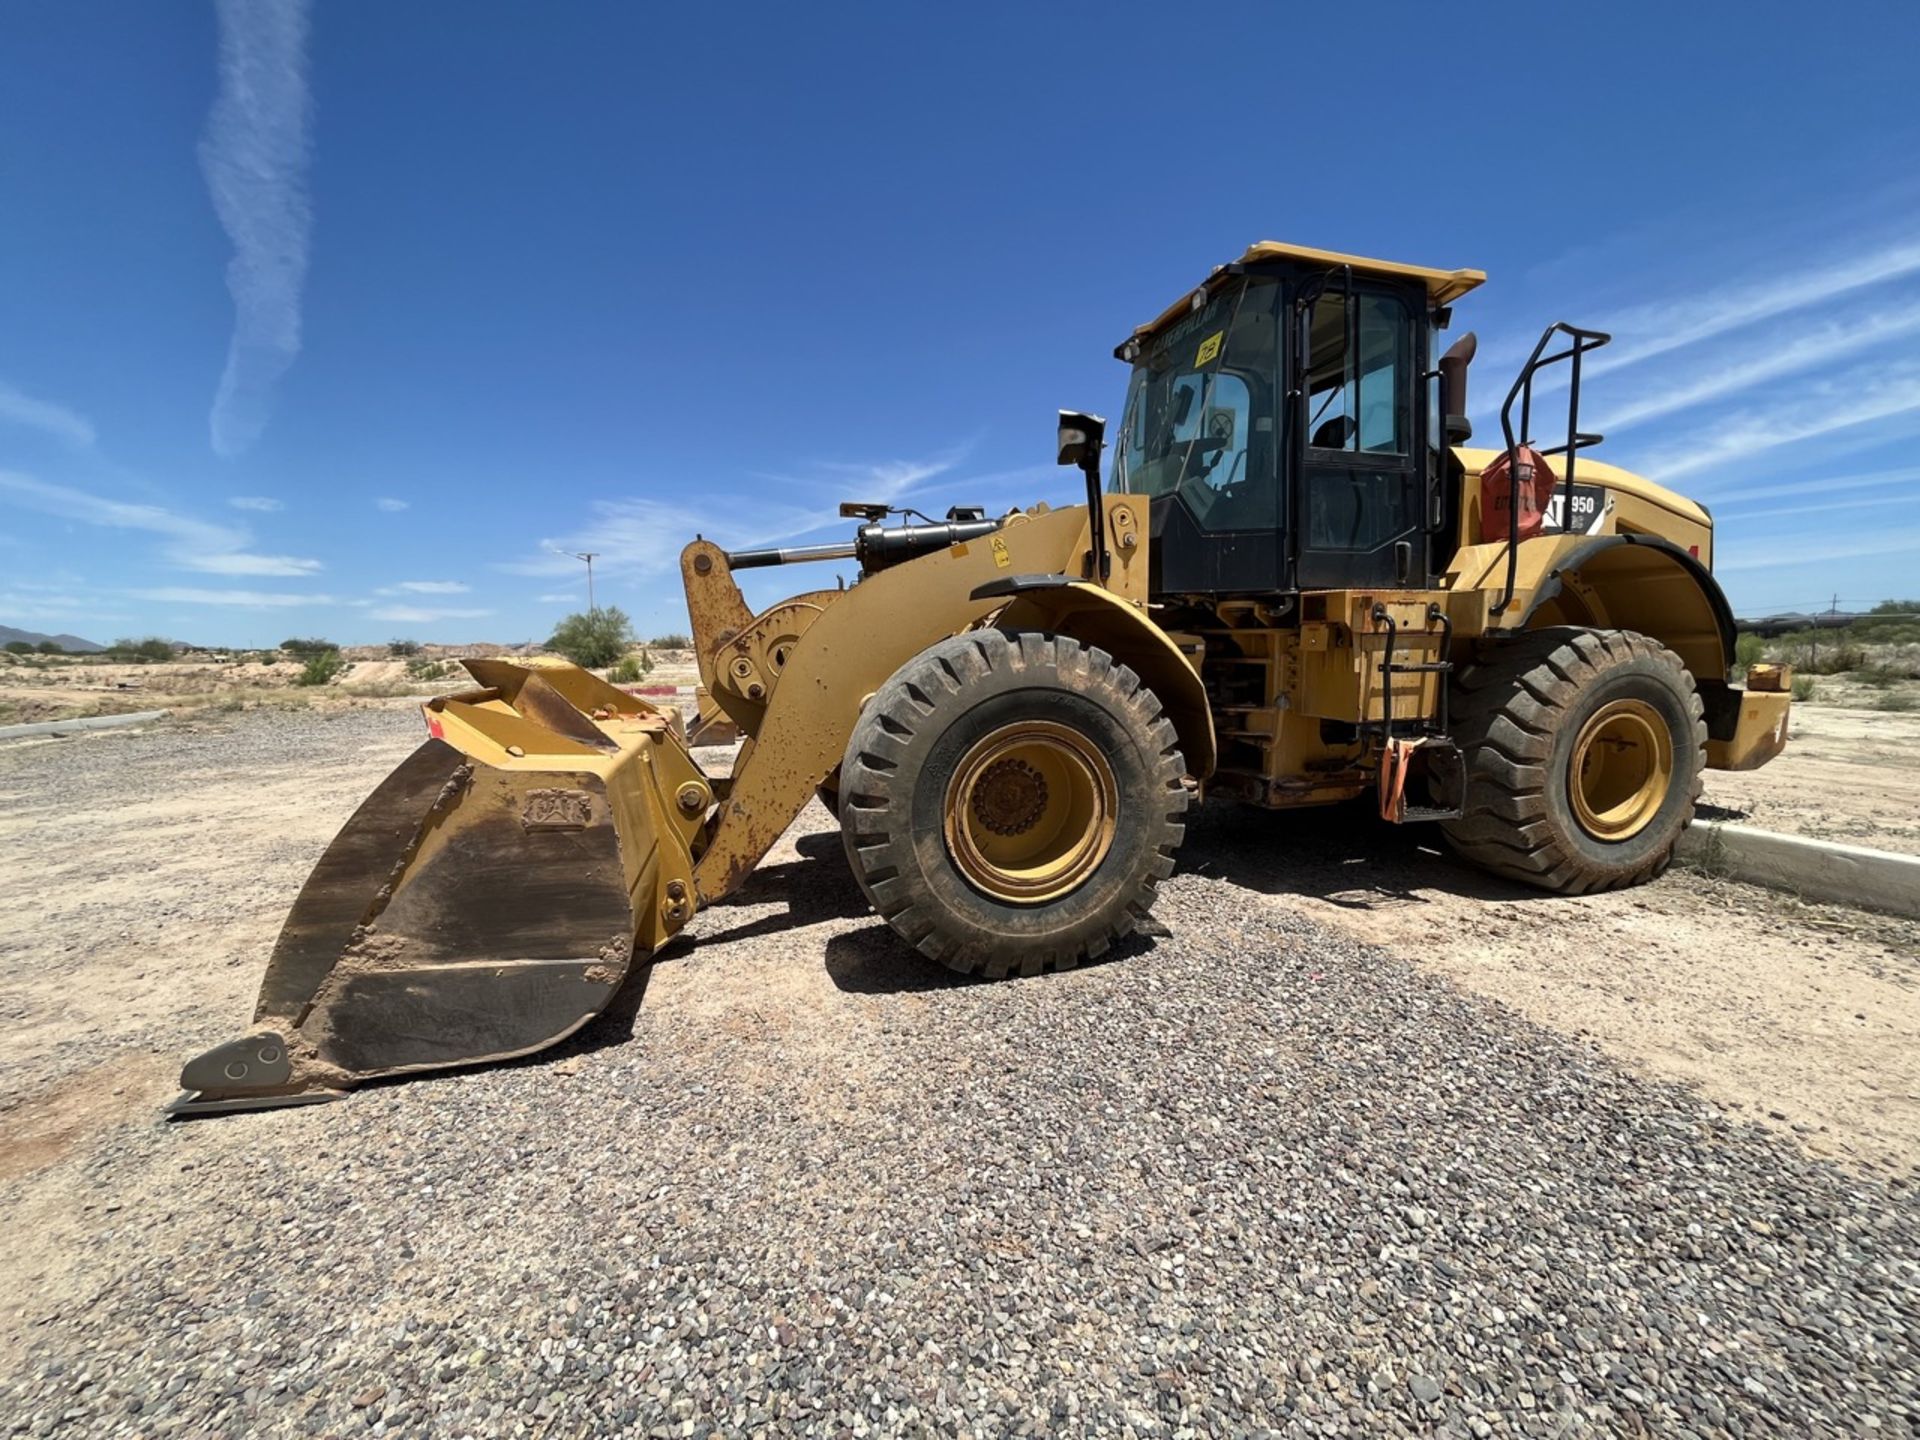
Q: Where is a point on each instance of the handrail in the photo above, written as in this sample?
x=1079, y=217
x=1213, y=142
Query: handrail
x=1583, y=341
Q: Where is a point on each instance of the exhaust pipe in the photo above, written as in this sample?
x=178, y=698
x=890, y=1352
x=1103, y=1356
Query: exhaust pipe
x=1453, y=389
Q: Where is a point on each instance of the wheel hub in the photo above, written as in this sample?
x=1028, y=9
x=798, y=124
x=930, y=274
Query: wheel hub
x=1031, y=812
x=1620, y=770
x=1010, y=797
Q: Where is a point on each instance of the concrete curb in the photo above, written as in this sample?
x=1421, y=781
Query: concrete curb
x=70, y=727
x=1812, y=869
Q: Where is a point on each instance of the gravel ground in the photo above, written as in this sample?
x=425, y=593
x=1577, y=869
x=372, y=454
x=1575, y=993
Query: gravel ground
x=1248, y=1175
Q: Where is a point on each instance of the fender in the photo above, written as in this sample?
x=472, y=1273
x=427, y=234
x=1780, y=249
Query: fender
x=1644, y=583
x=1063, y=605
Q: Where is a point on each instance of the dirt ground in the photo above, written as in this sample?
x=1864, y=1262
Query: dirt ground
x=1849, y=775
x=64, y=687
x=1802, y=1017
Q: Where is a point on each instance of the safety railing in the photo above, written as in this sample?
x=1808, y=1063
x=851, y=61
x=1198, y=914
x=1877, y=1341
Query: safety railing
x=1581, y=342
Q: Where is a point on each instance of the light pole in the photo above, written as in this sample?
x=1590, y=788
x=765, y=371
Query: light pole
x=589, y=556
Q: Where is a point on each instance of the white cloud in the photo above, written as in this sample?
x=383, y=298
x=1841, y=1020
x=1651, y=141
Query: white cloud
x=1878, y=542
x=188, y=543
x=1824, y=507
x=645, y=537
x=390, y=505
x=266, y=504
x=32, y=602
x=561, y=597
x=254, y=155
x=19, y=408
x=1802, y=350
x=1669, y=324
x=241, y=563
x=1908, y=475
x=1657, y=326
x=1857, y=398
x=626, y=536
x=418, y=615
x=190, y=595
x=425, y=587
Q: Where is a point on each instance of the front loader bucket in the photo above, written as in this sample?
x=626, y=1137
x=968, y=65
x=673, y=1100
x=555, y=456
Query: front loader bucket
x=486, y=901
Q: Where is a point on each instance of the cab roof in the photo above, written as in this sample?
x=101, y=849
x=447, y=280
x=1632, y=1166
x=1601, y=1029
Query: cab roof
x=1443, y=286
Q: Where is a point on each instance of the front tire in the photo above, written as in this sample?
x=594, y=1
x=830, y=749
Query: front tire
x=1009, y=802
x=1583, y=752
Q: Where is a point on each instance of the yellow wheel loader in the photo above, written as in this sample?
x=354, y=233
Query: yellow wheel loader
x=1297, y=586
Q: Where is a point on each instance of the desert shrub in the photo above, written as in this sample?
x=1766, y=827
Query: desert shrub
x=593, y=638
x=1893, y=628
x=1821, y=652
x=671, y=642
x=51, y=647
x=19, y=647
x=151, y=648
x=401, y=649
x=312, y=645
x=1749, y=650
x=1897, y=700
x=424, y=669
x=322, y=668
x=1803, y=688
x=629, y=668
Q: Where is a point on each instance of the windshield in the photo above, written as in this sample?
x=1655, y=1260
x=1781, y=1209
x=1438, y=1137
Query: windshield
x=1200, y=411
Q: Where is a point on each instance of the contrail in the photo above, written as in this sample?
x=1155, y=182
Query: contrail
x=254, y=155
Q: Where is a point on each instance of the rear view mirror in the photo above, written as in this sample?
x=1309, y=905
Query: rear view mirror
x=1081, y=438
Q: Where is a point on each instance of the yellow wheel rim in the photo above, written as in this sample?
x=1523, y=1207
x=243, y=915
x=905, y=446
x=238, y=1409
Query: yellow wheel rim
x=1621, y=769
x=1030, y=812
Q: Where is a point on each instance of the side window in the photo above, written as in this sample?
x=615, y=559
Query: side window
x=1358, y=391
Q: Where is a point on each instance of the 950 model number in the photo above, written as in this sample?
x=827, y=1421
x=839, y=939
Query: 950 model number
x=1589, y=504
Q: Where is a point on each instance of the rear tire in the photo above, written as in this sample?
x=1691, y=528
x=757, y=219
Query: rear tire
x=1010, y=801
x=1583, y=753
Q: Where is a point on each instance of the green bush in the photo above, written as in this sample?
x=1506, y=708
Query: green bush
x=671, y=642
x=19, y=647
x=51, y=647
x=321, y=668
x=313, y=645
x=629, y=669
x=151, y=648
x=400, y=649
x=593, y=638
x=423, y=669
x=1803, y=687
x=1898, y=700
x=1749, y=650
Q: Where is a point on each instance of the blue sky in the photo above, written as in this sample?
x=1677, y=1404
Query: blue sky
x=346, y=320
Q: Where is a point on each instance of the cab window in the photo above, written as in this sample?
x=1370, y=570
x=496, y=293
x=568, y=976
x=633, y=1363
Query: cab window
x=1357, y=390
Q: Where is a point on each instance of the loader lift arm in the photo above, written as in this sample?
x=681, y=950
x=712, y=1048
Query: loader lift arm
x=554, y=830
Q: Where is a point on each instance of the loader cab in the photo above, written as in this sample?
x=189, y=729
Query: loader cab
x=1283, y=420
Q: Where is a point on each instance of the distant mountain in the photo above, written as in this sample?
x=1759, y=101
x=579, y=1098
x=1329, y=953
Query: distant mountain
x=72, y=643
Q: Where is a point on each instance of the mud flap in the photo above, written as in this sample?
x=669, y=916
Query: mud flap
x=468, y=911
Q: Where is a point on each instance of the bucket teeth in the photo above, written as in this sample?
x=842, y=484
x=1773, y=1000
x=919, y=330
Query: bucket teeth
x=258, y=1062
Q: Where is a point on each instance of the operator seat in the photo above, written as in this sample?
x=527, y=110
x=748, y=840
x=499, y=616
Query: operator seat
x=1334, y=434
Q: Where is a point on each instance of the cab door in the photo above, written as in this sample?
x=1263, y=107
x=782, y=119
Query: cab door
x=1358, y=499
